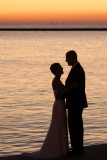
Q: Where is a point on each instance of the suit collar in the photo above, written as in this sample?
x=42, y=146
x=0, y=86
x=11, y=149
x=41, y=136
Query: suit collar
x=74, y=65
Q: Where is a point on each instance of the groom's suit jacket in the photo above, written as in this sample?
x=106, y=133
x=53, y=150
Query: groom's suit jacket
x=76, y=97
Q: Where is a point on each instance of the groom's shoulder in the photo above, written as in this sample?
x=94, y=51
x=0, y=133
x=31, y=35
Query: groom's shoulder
x=79, y=69
x=79, y=66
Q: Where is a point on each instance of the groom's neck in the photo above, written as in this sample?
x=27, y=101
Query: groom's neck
x=74, y=64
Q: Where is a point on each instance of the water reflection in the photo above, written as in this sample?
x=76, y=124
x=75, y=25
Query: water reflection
x=26, y=96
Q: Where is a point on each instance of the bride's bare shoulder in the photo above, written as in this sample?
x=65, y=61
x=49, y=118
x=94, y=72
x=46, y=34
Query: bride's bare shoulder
x=55, y=84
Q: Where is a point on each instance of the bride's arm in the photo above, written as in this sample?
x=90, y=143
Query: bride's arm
x=57, y=88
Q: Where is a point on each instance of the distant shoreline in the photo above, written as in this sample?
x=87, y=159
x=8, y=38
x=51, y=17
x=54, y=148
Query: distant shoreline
x=53, y=29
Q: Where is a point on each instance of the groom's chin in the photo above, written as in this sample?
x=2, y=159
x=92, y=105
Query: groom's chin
x=69, y=64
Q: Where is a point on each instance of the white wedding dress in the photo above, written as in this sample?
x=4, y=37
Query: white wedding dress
x=56, y=141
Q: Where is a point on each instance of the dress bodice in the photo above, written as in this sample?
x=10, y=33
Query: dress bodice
x=57, y=92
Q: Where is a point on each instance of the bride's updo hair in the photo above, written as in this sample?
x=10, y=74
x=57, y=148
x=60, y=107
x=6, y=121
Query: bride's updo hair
x=54, y=67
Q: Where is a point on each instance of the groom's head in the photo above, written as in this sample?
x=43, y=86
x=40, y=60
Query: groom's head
x=71, y=57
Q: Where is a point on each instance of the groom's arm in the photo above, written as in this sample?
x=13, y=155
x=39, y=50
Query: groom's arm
x=70, y=88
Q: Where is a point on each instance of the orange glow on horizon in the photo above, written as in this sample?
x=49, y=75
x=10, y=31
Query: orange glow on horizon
x=57, y=11
x=53, y=17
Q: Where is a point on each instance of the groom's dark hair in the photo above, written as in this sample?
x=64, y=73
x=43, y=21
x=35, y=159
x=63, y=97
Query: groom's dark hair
x=72, y=54
x=54, y=67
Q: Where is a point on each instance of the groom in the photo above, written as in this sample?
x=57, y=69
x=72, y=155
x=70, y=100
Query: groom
x=75, y=103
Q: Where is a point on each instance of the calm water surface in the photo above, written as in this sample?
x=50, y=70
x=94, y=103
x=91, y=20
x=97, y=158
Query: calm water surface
x=26, y=96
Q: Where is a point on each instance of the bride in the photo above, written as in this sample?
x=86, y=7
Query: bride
x=56, y=141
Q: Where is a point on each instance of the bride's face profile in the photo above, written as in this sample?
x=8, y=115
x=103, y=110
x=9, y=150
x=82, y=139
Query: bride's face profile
x=56, y=69
x=59, y=71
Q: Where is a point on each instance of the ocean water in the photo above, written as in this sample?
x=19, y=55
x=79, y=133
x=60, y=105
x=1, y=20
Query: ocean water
x=26, y=96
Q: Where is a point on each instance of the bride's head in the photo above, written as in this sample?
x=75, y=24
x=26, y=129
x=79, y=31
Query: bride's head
x=56, y=69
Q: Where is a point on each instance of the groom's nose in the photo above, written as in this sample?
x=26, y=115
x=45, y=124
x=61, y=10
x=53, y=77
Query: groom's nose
x=65, y=60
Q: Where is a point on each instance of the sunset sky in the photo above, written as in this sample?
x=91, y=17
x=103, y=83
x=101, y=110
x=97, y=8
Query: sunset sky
x=56, y=11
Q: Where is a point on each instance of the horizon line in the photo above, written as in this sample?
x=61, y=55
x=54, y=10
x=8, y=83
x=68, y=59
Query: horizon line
x=53, y=29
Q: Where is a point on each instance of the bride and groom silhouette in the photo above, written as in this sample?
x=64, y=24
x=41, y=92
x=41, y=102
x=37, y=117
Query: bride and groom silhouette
x=56, y=141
